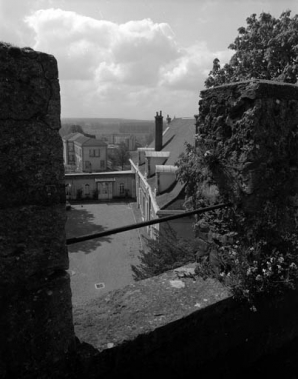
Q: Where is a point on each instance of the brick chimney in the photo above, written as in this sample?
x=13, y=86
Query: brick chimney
x=158, y=131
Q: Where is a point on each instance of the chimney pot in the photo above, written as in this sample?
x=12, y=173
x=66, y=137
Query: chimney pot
x=158, y=131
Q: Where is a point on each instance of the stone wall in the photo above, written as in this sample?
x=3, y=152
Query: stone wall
x=247, y=138
x=35, y=300
x=178, y=325
x=175, y=324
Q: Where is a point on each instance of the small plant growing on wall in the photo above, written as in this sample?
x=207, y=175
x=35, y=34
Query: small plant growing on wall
x=254, y=270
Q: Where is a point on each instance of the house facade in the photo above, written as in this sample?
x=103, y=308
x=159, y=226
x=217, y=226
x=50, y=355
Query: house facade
x=158, y=192
x=84, y=154
x=68, y=148
x=90, y=154
x=100, y=186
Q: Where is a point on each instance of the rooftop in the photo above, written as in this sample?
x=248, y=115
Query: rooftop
x=87, y=141
x=71, y=136
x=179, y=132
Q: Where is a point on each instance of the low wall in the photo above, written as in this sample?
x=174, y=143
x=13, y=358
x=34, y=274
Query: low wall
x=177, y=325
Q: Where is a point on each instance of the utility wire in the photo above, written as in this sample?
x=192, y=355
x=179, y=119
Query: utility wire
x=86, y=237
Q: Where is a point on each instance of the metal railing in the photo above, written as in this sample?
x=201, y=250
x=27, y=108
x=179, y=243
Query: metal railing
x=86, y=237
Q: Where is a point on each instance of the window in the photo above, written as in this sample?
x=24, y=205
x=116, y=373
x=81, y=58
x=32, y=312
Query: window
x=70, y=146
x=87, y=189
x=94, y=152
x=121, y=188
x=102, y=164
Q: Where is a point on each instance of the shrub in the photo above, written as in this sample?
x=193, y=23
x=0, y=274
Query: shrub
x=166, y=252
x=254, y=270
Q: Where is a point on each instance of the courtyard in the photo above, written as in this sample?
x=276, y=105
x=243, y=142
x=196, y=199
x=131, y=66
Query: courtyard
x=100, y=265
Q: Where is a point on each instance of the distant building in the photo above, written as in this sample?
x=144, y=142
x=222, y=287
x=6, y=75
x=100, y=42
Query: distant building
x=100, y=186
x=116, y=139
x=84, y=154
x=90, y=154
x=68, y=148
x=158, y=192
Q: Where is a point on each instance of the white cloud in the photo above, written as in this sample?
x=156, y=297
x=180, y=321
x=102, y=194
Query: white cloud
x=134, y=67
x=192, y=68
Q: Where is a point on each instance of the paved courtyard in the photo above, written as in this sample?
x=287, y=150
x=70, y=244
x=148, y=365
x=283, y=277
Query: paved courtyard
x=101, y=265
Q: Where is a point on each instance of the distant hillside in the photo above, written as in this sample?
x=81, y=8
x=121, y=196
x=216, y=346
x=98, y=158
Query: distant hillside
x=110, y=125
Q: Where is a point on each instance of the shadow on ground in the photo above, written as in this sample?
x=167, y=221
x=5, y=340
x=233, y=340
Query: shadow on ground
x=80, y=222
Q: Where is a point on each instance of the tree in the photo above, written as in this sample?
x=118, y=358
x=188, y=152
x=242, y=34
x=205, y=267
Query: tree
x=122, y=155
x=166, y=252
x=266, y=49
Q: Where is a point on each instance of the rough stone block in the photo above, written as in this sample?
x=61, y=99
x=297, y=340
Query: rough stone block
x=39, y=330
x=251, y=131
x=32, y=241
x=31, y=164
x=36, y=329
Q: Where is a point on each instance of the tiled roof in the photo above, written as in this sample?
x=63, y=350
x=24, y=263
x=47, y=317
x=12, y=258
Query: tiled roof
x=87, y=141
x=71, y=136
x=165, y=199
x=180, y=131
x=75, y=136
x=81, y=140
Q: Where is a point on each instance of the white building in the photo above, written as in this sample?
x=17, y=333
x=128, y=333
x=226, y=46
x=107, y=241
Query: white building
x=158, y=192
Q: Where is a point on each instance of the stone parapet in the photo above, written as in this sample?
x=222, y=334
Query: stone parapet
x=35, y=299
x=178, y=325
x=247, y=140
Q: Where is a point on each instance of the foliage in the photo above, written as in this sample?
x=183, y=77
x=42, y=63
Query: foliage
x=266, y=49
x=190, y=173
x=253, y=254
x=195, y=166
x=254, y=270
x=67, y=129
x=166, y=252
x=121, y=155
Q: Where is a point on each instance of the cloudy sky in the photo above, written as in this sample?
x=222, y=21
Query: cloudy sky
x=131, y=58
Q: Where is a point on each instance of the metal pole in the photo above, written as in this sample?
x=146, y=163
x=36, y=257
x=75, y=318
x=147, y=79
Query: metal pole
x=71, y=241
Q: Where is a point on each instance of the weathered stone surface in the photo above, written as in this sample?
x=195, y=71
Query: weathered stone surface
x=31, y=164
x=154, y=329
x=35, y=300
x=248, y=138
x=142, y=307
x=36, y=326
x=32, y=240
x=28, y=81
